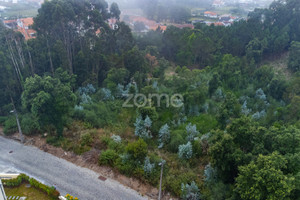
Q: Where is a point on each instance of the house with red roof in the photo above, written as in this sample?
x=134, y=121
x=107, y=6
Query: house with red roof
x=210, y=14
x=23, y=26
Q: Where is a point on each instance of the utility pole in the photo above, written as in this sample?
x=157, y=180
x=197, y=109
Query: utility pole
x=161, y=176
x=18, y=122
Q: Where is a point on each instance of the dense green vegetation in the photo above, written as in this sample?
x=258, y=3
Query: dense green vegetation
x=237, y=135
x=37, y=190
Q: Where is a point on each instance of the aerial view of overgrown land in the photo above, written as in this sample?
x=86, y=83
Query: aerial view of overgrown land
x=149, y=99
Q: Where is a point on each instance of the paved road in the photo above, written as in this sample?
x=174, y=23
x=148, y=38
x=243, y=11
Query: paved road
x=65, y=176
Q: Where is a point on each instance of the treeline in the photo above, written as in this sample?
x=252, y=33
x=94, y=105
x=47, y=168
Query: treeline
x=266, y=32
x=165, y=10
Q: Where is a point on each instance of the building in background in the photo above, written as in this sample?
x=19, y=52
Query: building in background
x=210, y=14
x=23, y=26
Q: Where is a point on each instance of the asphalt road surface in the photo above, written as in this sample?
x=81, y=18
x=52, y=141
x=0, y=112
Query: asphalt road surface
x=65, y=176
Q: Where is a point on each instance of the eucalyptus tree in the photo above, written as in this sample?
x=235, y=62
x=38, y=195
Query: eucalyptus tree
x=75, y=23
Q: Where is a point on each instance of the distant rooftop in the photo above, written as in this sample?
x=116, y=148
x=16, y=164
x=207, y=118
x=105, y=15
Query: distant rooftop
x=22, y=25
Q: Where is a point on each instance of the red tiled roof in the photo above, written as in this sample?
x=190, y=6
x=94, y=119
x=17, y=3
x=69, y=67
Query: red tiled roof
x=25, y=29
x=218, y=24
x=210, y=13
x=27, y=21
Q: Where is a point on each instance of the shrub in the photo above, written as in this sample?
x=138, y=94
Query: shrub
x=10, y=125
x=148, y=111
x=175, y=179
x=116, y=138
x=106, y=94
x=138, y=150
x=86, y=139
x=118, y=147
x=197, y=148
x=108, y=157
x=191, y=131
x=102, y=113
x=176, y=140
x=148, y=166
x=88, y=89
x=2, y=120
x=210, y=174
x=190, y=192
x=142, y=127
x=125, y=165
x=30, y=124
x=185, y=151
x=204, y=122
x=53, y=140
x=22, y=178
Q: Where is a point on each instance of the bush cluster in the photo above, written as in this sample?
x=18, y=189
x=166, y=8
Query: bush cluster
x=22, y=178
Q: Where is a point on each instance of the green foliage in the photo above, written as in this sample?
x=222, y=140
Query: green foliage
x=164, y=135
x=142, y=127
x=264, y=179
x=191, y=191
x=2, y=120
x=116, y=76
x=148, y=111
x=177, y=139
x=225, y=157
x=101, y=114
x=108, y=157
x=255, y=49
x=294, y=61
x=86, y=139
x=49, y=99
x=10, y=125
x=138, y=150
x=175, y=179
x=197, y=148
x=22, y=178
x=204, y=122
x=115, y=11
x=185, y=151
x=134, y=61
x=229, y=109
x=214, y=83
x=30, y=124
x=223, y=68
